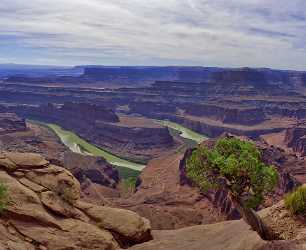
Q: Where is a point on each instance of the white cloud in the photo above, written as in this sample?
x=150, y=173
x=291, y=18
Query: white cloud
x=203, y=32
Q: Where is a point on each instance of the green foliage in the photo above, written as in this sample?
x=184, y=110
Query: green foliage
x=295, y=202
x=129, y=184
x=3, y=197
x=236, y=164
x=127, y=173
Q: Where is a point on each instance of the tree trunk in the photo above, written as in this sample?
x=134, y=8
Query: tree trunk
x=251, y=218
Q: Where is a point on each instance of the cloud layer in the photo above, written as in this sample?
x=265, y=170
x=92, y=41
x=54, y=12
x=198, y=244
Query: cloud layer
x=256, y=33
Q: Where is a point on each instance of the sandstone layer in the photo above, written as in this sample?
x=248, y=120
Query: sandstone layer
x=44, y=211
x=233, y=235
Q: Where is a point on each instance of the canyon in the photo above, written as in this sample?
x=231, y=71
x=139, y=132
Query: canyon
x=131, y=112
x=243, y=101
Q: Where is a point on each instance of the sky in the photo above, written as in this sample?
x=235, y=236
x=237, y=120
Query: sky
x=226, y=33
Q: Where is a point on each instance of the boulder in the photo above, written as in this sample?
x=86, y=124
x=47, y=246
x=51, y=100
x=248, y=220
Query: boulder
x=26, y=160
x=130, y=226
x=44, y=211
x=60, y=206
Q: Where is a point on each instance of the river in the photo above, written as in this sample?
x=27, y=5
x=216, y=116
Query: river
x=184, y=132
x=126, y=168
x=78, y=145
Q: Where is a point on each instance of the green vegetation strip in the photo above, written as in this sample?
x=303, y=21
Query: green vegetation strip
x=184, y=132
x=76, y=144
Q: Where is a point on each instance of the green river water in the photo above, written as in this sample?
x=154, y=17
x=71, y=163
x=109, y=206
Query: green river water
x=184, y=132
x=126, y=168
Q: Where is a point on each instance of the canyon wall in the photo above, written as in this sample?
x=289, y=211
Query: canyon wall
x=103, y=128
x=10, y=123
x=295, y=138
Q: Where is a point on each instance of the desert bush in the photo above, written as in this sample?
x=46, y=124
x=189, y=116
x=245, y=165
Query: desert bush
x=295, y=202
x=129, y=185
x=3, y=197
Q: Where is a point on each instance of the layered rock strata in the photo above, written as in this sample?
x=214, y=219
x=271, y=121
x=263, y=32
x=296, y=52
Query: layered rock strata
x=10, y=123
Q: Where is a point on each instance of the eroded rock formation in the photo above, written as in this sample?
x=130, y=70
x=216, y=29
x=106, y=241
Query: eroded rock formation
x=44, y=211
x=96, y=169
x=10, y=123
x=295, y=138
x=233, y=235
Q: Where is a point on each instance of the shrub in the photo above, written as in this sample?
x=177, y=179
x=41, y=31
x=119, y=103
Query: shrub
x=236, y=164
x=295, y=202
x=3, y=197
x=129, y=185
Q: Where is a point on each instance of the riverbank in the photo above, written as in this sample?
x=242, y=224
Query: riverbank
x=127, y=169
x=183, y=131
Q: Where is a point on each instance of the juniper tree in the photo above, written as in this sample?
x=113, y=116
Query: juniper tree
x=238, y=166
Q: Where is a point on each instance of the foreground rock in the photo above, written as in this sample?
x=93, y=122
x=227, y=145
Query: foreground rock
x=226, y=235
x=164, y=201
x=233, y=235
x=45, y=211
x=168, y=199
x=36, y=139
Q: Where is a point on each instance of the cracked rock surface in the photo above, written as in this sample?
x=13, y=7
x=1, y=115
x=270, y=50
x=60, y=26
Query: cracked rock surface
x=44, y=211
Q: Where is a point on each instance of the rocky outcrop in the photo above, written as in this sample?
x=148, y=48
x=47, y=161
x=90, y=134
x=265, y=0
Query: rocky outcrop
x=233, y=235
x=96, y=169
x=167, y=204
x=10, y=123
x=37, y=139
x=44, y=211
x=132, y=140
x=295, y=138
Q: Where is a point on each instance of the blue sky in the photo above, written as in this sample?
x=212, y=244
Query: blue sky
x=231, y=33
